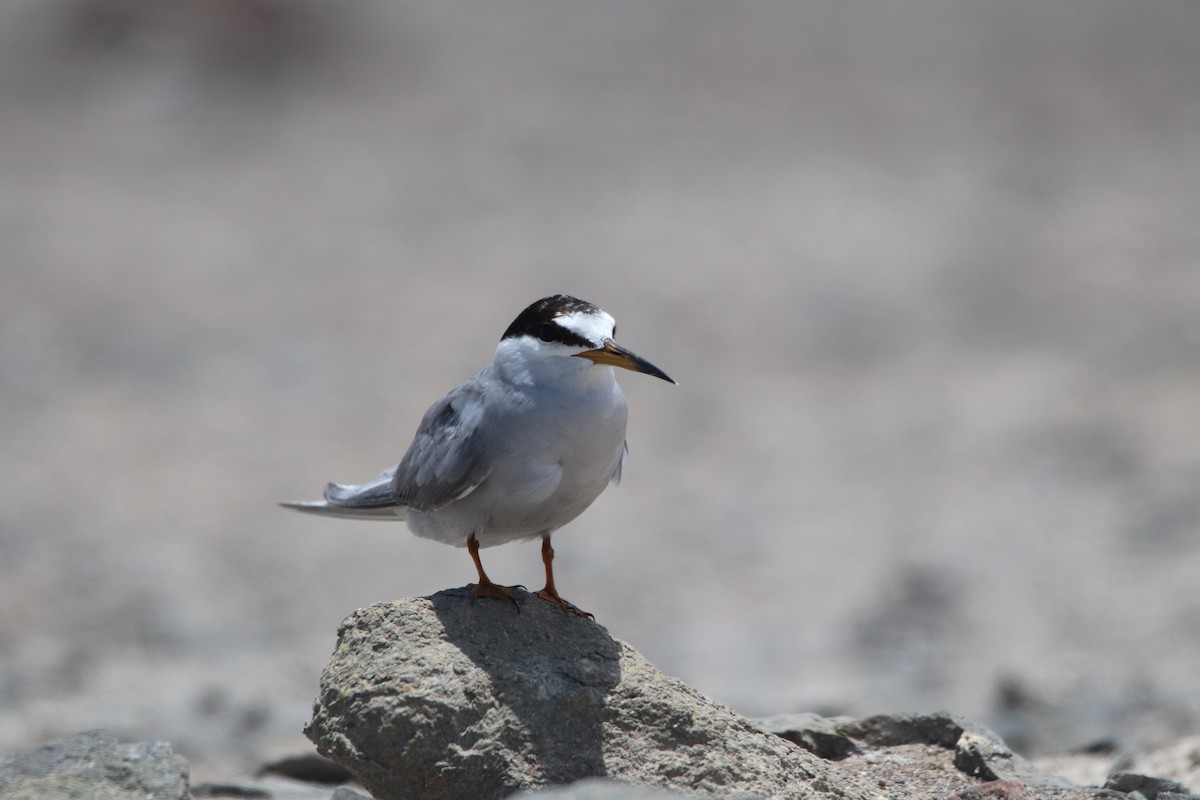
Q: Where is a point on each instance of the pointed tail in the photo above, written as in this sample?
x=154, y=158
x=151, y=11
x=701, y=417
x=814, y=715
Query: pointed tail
x=374, y=500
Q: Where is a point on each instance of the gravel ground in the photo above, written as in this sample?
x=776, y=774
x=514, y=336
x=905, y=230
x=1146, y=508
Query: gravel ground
x=928, y=275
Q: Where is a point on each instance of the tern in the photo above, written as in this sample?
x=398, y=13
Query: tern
x=515, y=452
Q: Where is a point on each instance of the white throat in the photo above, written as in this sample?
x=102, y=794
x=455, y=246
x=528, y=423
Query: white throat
x=525, y=361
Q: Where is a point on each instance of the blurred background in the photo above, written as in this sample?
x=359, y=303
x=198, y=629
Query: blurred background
x=928, y=275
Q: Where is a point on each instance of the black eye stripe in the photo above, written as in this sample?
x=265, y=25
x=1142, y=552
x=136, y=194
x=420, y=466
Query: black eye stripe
x=553, y=332
x=540, y=320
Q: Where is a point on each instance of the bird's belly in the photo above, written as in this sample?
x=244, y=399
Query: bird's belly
x=544, y=488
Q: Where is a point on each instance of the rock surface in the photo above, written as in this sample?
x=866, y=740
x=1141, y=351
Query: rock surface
x=1179, y=763
x=94, y=765
x=440, y=697
x=600, y=789
x=267, y=789
x=924, y=755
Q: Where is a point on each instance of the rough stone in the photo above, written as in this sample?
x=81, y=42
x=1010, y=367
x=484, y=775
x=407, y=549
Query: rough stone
x=1148, y=787
x=1178, y=762
x=600, y=789
x=308, y=767
x=95, y=766
x=907, y=755
x=442, y=698
x=836, y=738
x=821, y=736
x=270, y=788
x=892, y=730
x=995, y=790
x=343, y=793
x=978, y=752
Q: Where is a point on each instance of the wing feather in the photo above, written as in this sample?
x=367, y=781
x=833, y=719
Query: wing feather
x=444, y=463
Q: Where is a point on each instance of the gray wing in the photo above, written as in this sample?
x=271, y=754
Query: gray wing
x=444, y=462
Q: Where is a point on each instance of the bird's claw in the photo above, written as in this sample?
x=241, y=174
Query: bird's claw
x=497, y=591
x=567, y=607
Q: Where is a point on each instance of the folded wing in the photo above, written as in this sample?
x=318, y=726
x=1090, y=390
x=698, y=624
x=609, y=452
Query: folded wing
x=445, y=461
x=443, y=464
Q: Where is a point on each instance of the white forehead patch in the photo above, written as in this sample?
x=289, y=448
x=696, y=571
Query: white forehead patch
x=595, y=327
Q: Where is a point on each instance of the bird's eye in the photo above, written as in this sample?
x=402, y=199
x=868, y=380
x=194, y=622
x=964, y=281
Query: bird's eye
x=546, y=332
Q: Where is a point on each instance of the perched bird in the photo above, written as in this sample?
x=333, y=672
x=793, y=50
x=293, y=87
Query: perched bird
x=517, y=451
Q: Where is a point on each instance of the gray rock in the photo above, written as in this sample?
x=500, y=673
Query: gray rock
x=600, y=789
x=891, y=730
x=343, y=793
x=1148, y=787
x=95, y=766
x=821, y=736
x=440, y=697
x=270, y=788
x=1178, y=762
x=996, y=790
x=226, y=790
x=984, y=755
x=836, y=738
x=974, y=750
x=307, y=767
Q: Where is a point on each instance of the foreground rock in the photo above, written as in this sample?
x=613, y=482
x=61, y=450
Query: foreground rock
x=94, y=765
x=895, y=757
x=440, y=697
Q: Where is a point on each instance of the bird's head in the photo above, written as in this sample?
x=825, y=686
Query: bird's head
x=561, y=326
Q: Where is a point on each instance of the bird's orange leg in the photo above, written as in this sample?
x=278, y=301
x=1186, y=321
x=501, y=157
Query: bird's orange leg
x=485, y=587
x=550, y=593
